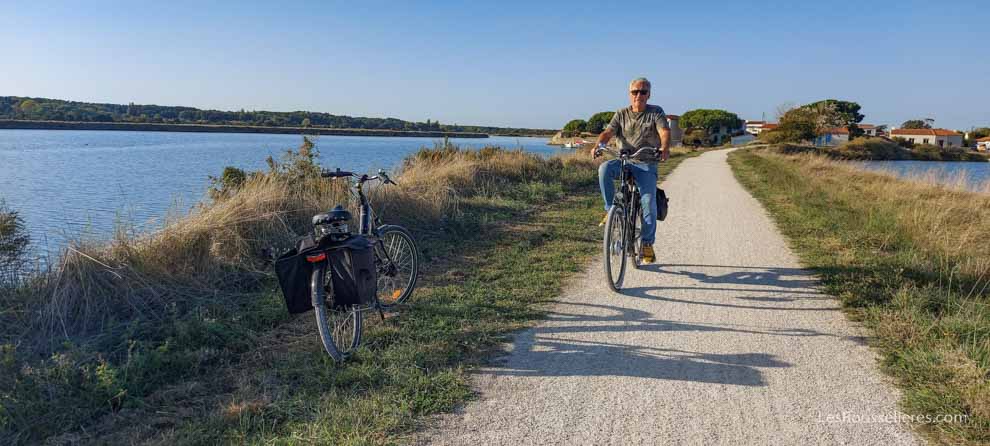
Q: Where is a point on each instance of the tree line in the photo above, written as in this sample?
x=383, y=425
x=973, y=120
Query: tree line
x=702, y=125
x=43, y=109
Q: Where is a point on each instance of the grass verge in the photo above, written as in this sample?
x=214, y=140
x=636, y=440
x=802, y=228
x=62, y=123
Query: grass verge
x=910, y=260
x=179, y=336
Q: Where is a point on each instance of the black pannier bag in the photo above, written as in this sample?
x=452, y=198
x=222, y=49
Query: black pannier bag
x=351, y=268
x=294, y=274
x=353, y=273
x=661, y=204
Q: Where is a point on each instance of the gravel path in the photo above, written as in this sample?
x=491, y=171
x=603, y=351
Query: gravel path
x=725, y=341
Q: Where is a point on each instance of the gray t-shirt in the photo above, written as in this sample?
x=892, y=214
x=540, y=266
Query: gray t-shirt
x=637, y=130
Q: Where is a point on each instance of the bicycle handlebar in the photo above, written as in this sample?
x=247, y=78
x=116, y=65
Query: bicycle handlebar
x=655, y=150
x=361, y=178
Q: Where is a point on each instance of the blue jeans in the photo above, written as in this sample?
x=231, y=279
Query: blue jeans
x=645, y=175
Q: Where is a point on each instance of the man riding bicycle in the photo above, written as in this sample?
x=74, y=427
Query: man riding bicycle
x=637, y=126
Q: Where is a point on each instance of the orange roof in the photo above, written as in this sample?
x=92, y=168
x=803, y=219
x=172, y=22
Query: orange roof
x=986, y=139
x=838, y=131
x=866, y=126
x=769, y=126
x=924, y=132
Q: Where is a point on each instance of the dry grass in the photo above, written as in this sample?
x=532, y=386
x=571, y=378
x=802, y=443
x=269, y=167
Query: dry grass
x=908, y=257
x=947, y=218
x=113, y=322
x=214, y=252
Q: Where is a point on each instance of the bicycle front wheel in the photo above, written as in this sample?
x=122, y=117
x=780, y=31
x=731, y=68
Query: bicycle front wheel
x=635, y=242
x=397, y=260
x=615, y=247
x=340, y=328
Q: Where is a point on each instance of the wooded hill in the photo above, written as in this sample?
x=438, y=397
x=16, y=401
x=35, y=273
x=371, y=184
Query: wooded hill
x=43, y=109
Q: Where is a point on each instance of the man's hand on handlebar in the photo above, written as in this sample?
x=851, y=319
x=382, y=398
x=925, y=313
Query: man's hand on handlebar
x=597, y=151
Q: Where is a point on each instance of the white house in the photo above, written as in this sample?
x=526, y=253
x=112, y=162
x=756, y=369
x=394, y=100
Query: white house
x=935, y=137
x=754, y=127
x=870, y=130
x=983, y=144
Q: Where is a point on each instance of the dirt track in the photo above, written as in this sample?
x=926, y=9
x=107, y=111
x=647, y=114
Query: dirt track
x=725, y=341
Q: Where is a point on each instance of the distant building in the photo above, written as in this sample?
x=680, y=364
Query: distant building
x=754, y=127
x=833, y=137
x=676, y=132
x=721, y=134
x=757, y=127
x=935, y=137
x=983, y=144
x=717, y=135
x=870, y=130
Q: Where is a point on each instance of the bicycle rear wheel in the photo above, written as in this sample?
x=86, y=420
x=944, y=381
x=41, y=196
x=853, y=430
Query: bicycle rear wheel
x=397, y=259
x=340, y=328
x=615, y=247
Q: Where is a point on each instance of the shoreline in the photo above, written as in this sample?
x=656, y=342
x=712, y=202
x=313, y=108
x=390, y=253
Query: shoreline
x=8, y=124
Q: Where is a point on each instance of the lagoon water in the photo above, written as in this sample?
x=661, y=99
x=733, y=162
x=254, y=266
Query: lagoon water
x=976, y=175
x=79, y=184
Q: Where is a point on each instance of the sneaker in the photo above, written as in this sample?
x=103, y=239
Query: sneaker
x=648, y=255
x=604, y=220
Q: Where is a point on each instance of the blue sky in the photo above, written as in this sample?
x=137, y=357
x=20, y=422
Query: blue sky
x=507, y=63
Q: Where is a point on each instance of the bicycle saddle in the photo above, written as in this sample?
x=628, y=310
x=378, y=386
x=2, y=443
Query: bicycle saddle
x=337, y=214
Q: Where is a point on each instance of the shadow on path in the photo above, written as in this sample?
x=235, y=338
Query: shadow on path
x=560, y=348
x=584, y=339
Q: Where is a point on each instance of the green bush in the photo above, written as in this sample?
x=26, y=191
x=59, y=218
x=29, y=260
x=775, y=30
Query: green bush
x=797, y=125
x=906, y=143
x=229, y=181
x=870, y=149
x=598, y=121
x=576, y=126
x=927, y=152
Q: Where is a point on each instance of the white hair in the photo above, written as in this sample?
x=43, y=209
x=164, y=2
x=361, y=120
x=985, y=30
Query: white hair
x=643, y=80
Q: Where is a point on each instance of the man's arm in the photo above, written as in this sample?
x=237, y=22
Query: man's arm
x=603, y=138
x=665, y=143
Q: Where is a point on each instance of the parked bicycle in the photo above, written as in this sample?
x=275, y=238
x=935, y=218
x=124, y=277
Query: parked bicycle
x=349, y=273
x=624, y=222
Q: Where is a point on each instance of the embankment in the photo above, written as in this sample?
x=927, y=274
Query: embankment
x=909, y=259
x=182, y=337
x=203, y=128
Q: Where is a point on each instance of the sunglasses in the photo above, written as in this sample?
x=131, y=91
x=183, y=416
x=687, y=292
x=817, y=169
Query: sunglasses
x=640, y=92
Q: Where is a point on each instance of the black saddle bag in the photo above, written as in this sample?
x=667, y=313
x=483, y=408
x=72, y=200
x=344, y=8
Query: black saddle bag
x=353, y=273
x=661, y=204
x=294, y=273
x=351, y=266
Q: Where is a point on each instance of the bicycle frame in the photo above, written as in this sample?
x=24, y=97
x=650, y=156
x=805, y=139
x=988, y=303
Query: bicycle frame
x=365, y=215
x=629, y=193
x=369, y=223
x=628, y=198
